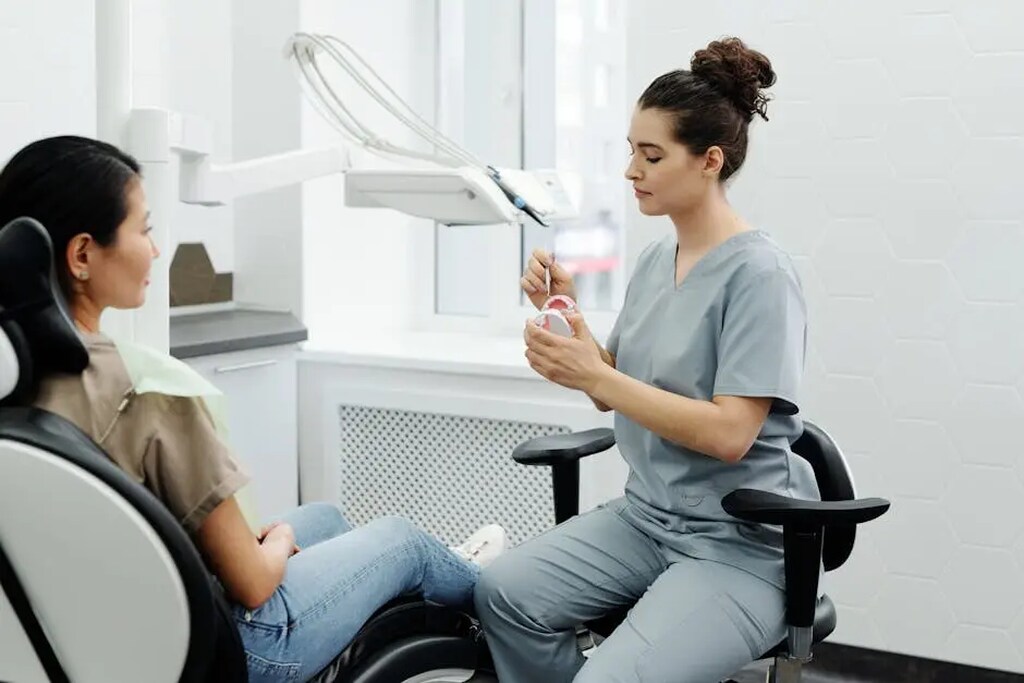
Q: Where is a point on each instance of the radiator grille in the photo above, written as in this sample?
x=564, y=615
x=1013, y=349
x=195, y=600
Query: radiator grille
x=449, y=474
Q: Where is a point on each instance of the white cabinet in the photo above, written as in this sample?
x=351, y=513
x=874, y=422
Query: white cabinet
x=260, y=389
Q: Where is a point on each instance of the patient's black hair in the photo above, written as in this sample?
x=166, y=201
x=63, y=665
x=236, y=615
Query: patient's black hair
x=71, y=185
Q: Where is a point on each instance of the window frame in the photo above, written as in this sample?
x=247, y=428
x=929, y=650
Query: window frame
x=500, y=267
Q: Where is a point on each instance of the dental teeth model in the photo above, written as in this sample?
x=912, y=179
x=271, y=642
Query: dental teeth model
x=552, y=316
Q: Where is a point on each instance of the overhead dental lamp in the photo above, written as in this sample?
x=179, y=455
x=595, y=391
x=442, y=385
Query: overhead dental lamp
x=449, y=186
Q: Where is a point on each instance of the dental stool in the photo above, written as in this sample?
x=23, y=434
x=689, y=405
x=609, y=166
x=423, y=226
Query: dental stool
x=816, y=533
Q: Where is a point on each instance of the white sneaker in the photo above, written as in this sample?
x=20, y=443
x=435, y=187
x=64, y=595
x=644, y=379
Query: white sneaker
x=483, y=546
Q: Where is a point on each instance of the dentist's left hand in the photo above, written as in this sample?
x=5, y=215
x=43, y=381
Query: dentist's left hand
x=572, y=362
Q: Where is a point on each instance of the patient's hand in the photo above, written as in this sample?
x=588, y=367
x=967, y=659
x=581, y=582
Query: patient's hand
x=265, y=530
x=287, y=529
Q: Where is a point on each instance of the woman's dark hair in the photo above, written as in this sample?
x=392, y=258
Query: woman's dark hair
x=70, y=185
x=714, y=102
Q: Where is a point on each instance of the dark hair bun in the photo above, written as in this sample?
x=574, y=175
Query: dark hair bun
x=736, y=71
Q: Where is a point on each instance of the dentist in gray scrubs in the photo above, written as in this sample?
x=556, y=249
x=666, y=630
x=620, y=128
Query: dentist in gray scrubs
x=703, y=371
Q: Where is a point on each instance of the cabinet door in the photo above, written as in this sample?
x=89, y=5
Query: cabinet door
x=260, y=390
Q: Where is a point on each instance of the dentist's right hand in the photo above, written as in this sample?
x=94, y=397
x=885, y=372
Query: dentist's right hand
x=532, y=281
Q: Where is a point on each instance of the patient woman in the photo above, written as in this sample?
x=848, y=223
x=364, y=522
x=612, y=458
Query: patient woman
x=703, y=372
x=301, y=588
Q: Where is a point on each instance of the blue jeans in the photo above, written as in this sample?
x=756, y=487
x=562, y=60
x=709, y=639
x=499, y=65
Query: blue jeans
x=338, y=580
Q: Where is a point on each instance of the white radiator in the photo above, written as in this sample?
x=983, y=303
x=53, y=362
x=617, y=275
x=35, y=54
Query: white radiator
x=450, y=474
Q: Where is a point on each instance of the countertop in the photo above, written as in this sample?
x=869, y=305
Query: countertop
x=203, y=334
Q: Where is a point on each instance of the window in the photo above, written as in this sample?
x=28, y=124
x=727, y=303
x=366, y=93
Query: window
x=587, y=115
x=534, y=84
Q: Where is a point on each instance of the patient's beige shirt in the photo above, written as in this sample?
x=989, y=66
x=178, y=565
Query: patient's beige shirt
x=169, y=444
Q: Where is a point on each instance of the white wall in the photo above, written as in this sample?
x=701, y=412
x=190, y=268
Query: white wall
x=48, y=83
x=226, y=64
x=182, y=60
x=891, y=168
x=222, y=60
x=266, y=120
x=358, y=267
x=201, y=65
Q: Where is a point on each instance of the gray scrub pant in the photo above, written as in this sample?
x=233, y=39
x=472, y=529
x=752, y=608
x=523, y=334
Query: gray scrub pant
x=696, y=621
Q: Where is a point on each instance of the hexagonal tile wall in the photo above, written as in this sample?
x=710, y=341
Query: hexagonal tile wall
x=913, y=612
x=918, y=379
x=990, y=27
x=981, y=95
x=864, y=405
x=982, y=178
x=984, y=260
x=794, y=148
x=994, y=646
x=921, y=461
x=984, y=587
x=935, y=35
x=983, y=505
x=853, y=336
x=890, y=169
x=858, y=626
x=769, y=201
x=924, y=137
x=927, y=521
x=849, y=110
x=1017, y=632
x=977, y=339
x=854, y=257
x=916, y=296
x=857, y=582
x=922, y=219
x=979, y=430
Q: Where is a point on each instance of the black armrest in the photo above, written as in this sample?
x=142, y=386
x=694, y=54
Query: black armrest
x=563, y=452
x=557, y=449
x=771, y=508
x=804, y=524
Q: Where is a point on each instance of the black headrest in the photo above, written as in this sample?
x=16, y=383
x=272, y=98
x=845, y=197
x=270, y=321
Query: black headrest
x=38, y=336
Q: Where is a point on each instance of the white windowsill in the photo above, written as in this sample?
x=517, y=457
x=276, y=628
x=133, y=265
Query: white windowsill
x=461, y=353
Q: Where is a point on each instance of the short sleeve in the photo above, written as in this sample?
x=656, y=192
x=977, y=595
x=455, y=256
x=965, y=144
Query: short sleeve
x=764, y=334
x=186, y=464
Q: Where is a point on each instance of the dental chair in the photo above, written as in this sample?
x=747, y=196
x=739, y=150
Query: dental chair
x=105, y=585
x=98, y=581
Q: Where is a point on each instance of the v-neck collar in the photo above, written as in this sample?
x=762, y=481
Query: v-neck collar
x=711, y=257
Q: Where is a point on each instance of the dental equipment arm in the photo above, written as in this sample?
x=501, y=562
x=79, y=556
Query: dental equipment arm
x=208, y=184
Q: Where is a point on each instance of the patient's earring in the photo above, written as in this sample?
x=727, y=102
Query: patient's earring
x=83, y=275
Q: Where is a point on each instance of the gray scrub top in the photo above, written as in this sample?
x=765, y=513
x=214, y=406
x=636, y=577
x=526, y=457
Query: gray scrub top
x=735, y=326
